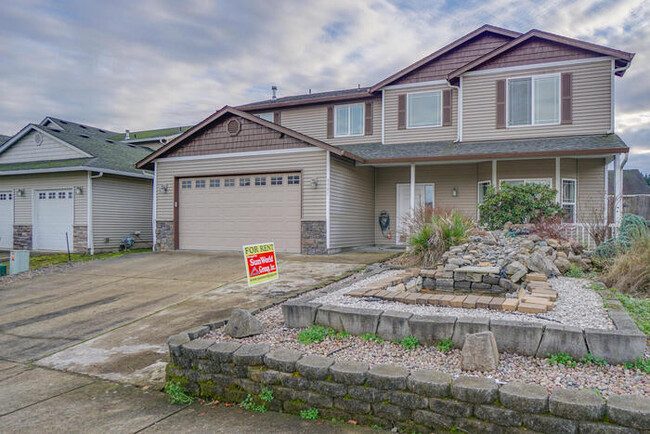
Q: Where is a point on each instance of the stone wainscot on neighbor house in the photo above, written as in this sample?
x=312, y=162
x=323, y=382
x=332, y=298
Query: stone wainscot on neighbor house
x=316, y=173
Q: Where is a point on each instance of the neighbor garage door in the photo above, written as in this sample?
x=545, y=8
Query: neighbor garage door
x=6, y=219
x=53, y=216
x=227, y=212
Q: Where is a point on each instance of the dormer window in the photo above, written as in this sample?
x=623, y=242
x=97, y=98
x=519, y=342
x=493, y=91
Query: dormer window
x=348, y=120
x=533, y=100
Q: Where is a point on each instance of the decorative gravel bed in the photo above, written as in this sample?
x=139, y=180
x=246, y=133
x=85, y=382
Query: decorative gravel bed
x=576, y=305
x=609, y=380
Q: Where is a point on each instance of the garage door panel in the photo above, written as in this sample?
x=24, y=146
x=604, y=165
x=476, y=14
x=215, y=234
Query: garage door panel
x=53, y=218
x=226, y=218
x=6, y=219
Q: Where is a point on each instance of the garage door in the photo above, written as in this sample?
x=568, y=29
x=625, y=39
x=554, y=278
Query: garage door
x=225, y=213
x=53, y=216
x=6, y=219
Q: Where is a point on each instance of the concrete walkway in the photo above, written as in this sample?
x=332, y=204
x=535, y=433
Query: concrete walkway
x=42, y=400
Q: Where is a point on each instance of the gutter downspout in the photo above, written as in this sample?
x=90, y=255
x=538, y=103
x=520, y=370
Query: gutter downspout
x=383, y=111
x=155, y=201
x=615, y=70
x=459, y=88
x=327, y=200
x=90, y=233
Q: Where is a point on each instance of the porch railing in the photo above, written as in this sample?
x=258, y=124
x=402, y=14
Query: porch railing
x=579, y=232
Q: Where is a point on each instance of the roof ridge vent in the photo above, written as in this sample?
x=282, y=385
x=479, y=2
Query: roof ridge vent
x=274, y=91
x=85, y=136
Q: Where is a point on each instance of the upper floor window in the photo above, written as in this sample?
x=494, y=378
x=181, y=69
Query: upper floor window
x=348, y=120
x=424, y=109
x=268, y=116
x=534, y=100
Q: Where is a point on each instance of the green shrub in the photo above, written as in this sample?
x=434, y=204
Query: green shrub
x=518, y=204
x=642, y=364
x=452, y=229
x=309, y=414
x=177, y=394
x=445, y=345
x=408, y=342
x=632, y=228
x=561, y=359
x=590, y=359
x=629, y=270
x=371, y=337
x=257, y=404
x=313, y=334
x=575, y=271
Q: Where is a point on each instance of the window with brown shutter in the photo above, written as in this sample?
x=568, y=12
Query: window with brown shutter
x=330, y=122
x=567, y=98
x=501, y=104
x=368, y=121
x=401, y=112
x=446, y=107
x=276, y=118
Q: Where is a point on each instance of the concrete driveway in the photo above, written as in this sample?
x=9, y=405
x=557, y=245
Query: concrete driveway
x=111, y=318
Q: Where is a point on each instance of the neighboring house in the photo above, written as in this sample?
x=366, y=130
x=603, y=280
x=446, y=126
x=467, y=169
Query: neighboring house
x=152, y=139
x=317, y=173
x=61, y=178
x=636, y=193
x=4, y=139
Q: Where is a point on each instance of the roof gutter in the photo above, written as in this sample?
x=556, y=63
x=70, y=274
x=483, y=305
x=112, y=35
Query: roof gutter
x=75, y=169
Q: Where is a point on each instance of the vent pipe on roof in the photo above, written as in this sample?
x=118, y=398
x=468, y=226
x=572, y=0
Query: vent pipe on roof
x=274, y=89
x=127, y=135
x=310, y=91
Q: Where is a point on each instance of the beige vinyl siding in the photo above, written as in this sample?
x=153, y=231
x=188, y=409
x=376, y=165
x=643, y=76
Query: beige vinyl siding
x=569, y=168
x=311, y=163
x=121, y=206
x=412, y=135
x=26, y=149
x=591, y=188
x=526, y=169
x=484, y=171
x=23, y=205
x=591, y=103
x=312, y=121
x=352, y=204
x=445, y=177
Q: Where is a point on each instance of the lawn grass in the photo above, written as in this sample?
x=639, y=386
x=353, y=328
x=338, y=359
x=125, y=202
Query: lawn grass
x=638, y=308
x=50, y=260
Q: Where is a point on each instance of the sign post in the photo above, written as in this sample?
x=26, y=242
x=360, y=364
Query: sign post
x=261, y=265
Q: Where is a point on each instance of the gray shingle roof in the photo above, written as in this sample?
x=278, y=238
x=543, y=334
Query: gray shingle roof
x=307, y=97
x=4, y=138
x=106, y=154
x=465, y=150
x=633, y=182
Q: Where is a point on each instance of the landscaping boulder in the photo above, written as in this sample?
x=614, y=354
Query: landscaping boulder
x=479, y=352
x=562, y=264
x=541, y=263
x=242, y=324
x=516, y=270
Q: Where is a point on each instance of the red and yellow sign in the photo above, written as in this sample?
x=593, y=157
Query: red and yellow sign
x=260, y=263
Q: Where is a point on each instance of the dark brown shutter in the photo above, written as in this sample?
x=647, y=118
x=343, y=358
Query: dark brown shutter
x=501, y=104
x=401, y=112
x=330, y=122
x=446, y=107
x=276, y=118
x=567, y=98
x=368, y=122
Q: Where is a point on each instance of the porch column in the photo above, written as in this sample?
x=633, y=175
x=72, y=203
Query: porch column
x=618, y=189
x=558, y=180
x=412, y=190
x=494, y=175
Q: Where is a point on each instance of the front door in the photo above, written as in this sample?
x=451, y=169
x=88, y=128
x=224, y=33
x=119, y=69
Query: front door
x=423, y=196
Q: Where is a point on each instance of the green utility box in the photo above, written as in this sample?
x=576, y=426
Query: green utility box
x=3, y=270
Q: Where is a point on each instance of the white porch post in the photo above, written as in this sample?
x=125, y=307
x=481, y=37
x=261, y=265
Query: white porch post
x=412, y=195
x=494, y=175
x=558, y=179
x=327, y=198
x=618, y=189
x=606, y=213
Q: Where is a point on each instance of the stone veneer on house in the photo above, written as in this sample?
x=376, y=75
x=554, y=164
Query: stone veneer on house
x=313, y=238
x=22, y=237
x=164, y=236
x=80, y=239
x=388, y=395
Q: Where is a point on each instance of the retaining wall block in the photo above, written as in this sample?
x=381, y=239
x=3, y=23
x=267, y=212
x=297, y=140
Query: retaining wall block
x=222, y=352
x=616, y=346
x=329, y=316
x=516, y=337
x=432, y=419
x=549, y=424
x=282, y=360
x=314, y=367
x=391, y=412
x=528, y=398
x=352, y=405
x=562, y=339
x=349, y=372
x=198, y=331
x=622, y=320
x=632, y=411
x=251, y=354
x=432, y=329
x=451, y=407
x=394, y=325
x=467, y=326
x=388, y=377
x=429, y=383
x=175, y=342
x=576, y=404
x=315, y=399
x=477, y=390
x=367, y=394
x=329, y=388
x=299, y=314
x=603, y=428
x=498, y=415
x=408, y=400
x=196, y=349
x=359, y=321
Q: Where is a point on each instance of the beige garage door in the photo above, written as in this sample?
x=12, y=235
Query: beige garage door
x=227, y=212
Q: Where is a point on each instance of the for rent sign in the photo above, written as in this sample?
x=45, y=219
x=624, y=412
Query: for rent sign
x=260, y=263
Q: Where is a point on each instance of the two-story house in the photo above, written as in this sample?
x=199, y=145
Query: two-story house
x=321, y=172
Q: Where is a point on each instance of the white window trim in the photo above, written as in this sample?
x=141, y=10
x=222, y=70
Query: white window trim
x=398, y=241
x=363, y=119
x=259, y=115
x=408, y=97
x=527, y=181
x=532, y=100
x=575, y=202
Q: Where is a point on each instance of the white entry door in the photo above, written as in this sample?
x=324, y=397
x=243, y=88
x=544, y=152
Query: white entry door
x=6, y=219
x=423, y=196
x=53, y=217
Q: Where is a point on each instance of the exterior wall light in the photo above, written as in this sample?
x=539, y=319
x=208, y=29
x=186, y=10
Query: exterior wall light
x=78, y=190
x=454, y=192
x=314, y=183
x=163, y=188
x=20, y=192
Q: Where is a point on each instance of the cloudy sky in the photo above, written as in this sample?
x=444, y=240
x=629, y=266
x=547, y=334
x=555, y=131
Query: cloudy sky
x=141, y=64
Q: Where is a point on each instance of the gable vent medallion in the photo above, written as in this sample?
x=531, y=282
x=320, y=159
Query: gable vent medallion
x=38, y=139
x=233, y=127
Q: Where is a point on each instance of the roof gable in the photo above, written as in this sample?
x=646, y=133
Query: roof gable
x=536, y=46
x=205, y=138
x=469, y=47
x=35, y=143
